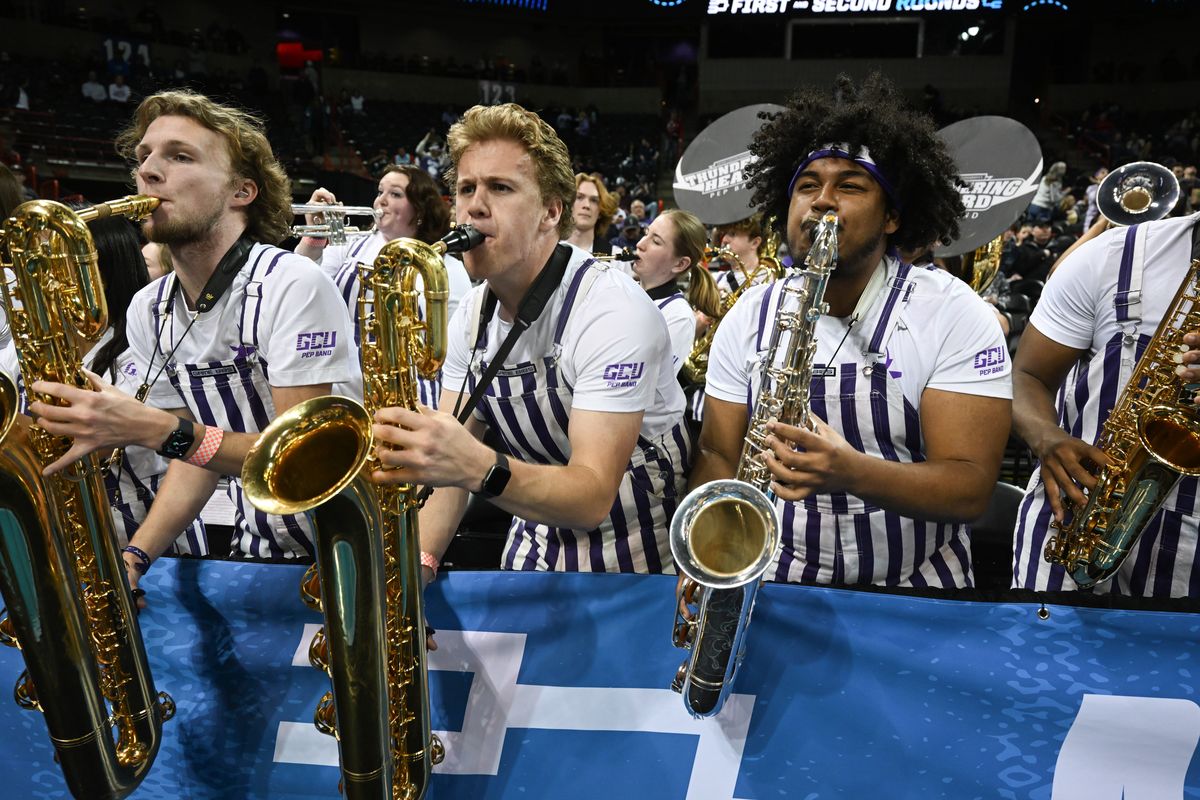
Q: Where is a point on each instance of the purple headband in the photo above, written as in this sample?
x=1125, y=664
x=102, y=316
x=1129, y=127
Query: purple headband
x=863, y=159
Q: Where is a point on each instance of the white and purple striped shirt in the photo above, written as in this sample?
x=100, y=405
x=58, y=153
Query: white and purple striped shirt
x=925, y=329
x=280, y=323
x=1106, y=300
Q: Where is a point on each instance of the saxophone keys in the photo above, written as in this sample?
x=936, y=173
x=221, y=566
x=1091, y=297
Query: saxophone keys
x=8, y=634
x=25, y=693
x=325, y=717
x=437, y=751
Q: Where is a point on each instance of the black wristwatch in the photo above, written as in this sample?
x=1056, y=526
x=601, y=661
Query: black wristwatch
x=180, y=440
x=496, y=478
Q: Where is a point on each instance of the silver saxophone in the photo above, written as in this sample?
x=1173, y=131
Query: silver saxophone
x=725, y=534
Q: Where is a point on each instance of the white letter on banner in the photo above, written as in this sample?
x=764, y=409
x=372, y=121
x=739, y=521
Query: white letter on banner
x=1127, y=748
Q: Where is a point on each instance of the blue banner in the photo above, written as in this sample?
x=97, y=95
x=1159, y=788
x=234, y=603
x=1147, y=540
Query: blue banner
x=554, y=685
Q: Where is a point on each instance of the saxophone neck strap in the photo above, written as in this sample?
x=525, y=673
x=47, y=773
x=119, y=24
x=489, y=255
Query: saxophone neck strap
x=531, y=307
x=1196, y=239
x=222, y=277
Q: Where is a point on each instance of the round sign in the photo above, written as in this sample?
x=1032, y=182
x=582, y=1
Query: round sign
x=710, y=178
x=1000, y=161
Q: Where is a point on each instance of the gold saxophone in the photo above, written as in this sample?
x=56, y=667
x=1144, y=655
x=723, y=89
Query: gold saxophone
x=1152, y=437
x=63, y=580
x=695, y=367
x=317, y=457
x=725, y=534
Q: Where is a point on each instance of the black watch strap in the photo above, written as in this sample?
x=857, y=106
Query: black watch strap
x=180, y=440
x=496, y=478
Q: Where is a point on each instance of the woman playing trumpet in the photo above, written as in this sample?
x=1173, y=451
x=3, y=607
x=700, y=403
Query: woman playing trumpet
x=408, y=205
x=674, y=244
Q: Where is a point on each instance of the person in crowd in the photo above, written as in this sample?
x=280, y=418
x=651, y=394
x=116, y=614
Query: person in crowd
x=1093, y=210
x=586, y=402
x=592, y=214
x=1089, y=329
x=118, y=90
x=203, y=336
x=409, y=206
x=673, y=245
x=1034, y=253
x=93, y=89
x=631, y=233
x=882, y=488
x=1048, y=195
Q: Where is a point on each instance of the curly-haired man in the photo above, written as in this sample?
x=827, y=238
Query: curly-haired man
x=910, y=388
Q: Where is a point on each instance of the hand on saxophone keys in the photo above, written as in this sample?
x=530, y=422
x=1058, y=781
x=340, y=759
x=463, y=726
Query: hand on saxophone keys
x=430, y=448
x=1189, y=362
x=805, y=462
x=1068, y=466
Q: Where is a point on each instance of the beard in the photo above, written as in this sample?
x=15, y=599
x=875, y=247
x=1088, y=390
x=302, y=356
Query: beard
x=182, y=231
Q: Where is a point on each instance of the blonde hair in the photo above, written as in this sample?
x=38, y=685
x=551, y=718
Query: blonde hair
x=551, y=161
x=608, y=200
x=689, y=241
x=269, y=216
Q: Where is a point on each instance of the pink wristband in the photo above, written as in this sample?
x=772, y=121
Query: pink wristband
x=428, y=560
x=208, y=447
x=312, y=241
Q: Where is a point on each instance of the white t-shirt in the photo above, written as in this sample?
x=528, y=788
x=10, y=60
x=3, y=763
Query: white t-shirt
x=119, y=94
x=94, y=90
x=616, y=351
x=1076, y=307
x=299, y=308
x=333, y=257
x=946, y=338
x=681, y=324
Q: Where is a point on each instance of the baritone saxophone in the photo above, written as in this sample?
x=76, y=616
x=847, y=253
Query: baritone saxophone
x=317, y=457
x=64, y=583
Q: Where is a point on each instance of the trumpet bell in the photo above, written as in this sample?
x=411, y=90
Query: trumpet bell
x=1139, y=192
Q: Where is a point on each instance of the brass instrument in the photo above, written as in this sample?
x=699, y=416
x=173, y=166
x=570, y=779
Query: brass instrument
x=317, y=457
x=63, y=580
x=979, y=267
x=626, y=254
x=1139, y=192
x=1152, y=437
x=695, y=367
x=725, y=534
x=333, y=220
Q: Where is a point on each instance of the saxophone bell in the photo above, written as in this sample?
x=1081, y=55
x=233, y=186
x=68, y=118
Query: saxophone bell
x=723, y=537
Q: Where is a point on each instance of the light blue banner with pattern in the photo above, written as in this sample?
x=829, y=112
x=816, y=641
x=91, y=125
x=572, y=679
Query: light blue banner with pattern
x=555, y=686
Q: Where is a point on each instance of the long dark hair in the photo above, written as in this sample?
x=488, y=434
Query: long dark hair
x=123, y=271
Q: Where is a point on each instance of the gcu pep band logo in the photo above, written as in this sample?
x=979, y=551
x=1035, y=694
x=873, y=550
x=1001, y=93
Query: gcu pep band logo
x=991, y=360
x=316, y=343
x=624, y=374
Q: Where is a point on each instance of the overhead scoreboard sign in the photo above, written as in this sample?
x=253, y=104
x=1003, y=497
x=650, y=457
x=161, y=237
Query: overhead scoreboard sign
x=784, y=7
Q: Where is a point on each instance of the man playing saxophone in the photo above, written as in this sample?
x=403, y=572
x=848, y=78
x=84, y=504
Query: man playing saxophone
x=202, y=337
x=1097, y=315
x=910, y=392
x=586, y=402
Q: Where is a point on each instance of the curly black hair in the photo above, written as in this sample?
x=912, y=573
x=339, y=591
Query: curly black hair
x=903, y=142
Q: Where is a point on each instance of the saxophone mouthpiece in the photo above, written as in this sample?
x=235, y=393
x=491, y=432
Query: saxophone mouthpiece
x=460, y=239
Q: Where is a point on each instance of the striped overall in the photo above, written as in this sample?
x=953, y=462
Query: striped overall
x=1162, y=563
x=838, y=538
x=529, y=405
x=235, y=395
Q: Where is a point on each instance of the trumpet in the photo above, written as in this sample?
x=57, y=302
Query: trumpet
x=1139, y=192
x=626, y=254
x=333, y=226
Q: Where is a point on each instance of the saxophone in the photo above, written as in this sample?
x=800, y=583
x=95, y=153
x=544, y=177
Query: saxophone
x=62, y=577
x=725, y=534
x=1152, y=437
x=317, y=457
x=695, y=367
